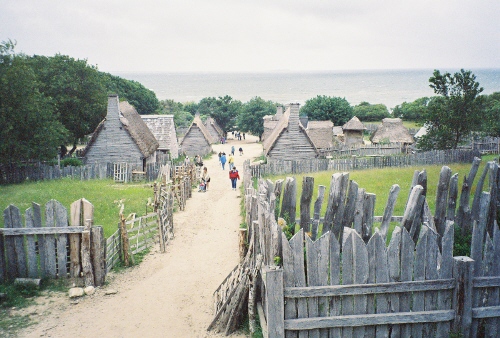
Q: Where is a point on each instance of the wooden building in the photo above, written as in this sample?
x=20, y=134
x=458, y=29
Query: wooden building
x=289, y=139
x=197, y=140
x=121, y=137
x=321, y=133
x=214, y=129
x=392, y=131
x=163, y=128
x=270, y=122
x=353, y=132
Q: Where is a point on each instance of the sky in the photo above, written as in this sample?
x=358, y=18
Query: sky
x=258, y=35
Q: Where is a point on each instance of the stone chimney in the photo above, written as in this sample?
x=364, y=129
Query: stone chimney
x=293, y=120
x=113, y=112
x=279, y=112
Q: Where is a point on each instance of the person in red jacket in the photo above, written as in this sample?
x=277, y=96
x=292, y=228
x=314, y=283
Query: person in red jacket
x=234, y=176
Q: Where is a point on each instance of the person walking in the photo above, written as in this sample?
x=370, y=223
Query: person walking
x=231, y=162
x=241, y=151
x=232, y=150
x=223, y=160
x=234, y=176
x=205, y=178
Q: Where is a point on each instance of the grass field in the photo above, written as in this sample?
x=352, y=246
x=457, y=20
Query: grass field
x=103, y=194
x=380, y=181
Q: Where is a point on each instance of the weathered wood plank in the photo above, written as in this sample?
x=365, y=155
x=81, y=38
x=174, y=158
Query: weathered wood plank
x=61, y=221
x=358, y=211
x=406, y=274
x=288, y=206
x=274, y=302
x=360, y=276
x=317, y=209
x=98, y=255
x=289, y=281
x=305, y=202
x=446, y=271
x=15, y=245
x=37, y=224
x=452, y=198
x=50, y=242
x=350, y=205
x=41, y=231
x=368, y=211
x=31, y=245
x=442, y=199
x=389, y=209
x=335, y=266
x=462, y=295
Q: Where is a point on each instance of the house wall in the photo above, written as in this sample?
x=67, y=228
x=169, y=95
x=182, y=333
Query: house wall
x=194, y=142
x=353, y=137
x=114, y=143
x=211, y=129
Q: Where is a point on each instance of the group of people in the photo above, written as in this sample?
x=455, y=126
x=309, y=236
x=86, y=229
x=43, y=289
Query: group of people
x=238, y=135
x=234, y=176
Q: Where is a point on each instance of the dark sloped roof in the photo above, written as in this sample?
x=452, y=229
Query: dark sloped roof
x=393, y=130
x=139, y=131
x=210, y=121
x=353, y=124
x=199, y=123
x=321, y=133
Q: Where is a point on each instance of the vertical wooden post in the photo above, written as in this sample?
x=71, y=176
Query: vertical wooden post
x=125, y=242
x=88, y=274
x=275, y=305
x=305, y=202
x=462, y=296
x=243, y=244
x=98, y=254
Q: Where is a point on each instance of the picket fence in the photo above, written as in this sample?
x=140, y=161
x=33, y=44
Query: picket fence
x=349, y=283
x=281, y=167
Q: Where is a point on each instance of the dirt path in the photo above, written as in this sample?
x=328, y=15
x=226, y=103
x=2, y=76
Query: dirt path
x=168, y=295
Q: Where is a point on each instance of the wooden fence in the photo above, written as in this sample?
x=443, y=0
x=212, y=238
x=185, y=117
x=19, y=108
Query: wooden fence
x=279, y=167
x=350, y=284
x=55, y=250
x=363, y=150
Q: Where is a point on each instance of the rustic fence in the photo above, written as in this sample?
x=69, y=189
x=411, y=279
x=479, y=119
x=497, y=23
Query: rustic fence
x=280, y=167
x=340, y=279
x=362, y=150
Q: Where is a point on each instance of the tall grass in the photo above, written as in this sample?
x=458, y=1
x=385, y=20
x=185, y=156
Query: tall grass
x=103, y=194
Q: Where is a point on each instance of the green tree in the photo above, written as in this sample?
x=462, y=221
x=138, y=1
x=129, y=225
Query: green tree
x=250, y=118
x=371, y=112
x=143, y=99
x=492, y=110
x=170, y=106
x=29, y=129
x=457, y=112
x=77, y=91
x=223, y=110
x=322, y=108
x=182, y=118
x=412, y=111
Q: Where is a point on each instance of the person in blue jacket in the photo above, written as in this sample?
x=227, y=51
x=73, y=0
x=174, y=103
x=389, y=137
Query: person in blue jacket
x=223, y=160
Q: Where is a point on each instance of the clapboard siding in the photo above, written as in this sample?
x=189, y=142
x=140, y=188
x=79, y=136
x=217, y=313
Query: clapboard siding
x=292, y=144
x=195, y=143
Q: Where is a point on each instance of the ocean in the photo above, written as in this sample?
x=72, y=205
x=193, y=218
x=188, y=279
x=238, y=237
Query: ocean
x=390, y=87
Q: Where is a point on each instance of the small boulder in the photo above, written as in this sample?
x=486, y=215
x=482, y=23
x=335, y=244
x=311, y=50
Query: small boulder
x=89, y=290
x=110, y=292
x=76, y=292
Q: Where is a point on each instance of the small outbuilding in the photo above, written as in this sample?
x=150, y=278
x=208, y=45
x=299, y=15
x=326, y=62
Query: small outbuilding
x=214, y=129
x=392, y=130
x=353, y=132
x=121, y=137
x=289, y=139
x=197, y=140
x=163, y=128
x=321, y=133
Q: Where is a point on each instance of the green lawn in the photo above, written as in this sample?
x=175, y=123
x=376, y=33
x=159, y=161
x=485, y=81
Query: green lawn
x=103, y=194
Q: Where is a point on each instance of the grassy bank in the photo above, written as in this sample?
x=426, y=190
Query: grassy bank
x=103, y=194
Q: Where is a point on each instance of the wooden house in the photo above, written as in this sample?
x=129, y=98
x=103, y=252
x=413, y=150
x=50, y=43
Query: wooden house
x=121, y=137
x=163, y=128
x=197, y=140
x=392, y=131
x=321, y=133
x=270, y=122
x=289, y=139
x=353, y=132
x=214, y=129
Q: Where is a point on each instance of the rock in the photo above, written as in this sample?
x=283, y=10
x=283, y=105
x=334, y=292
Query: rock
x=76, y=292
x=110, y=292
x=89, y=290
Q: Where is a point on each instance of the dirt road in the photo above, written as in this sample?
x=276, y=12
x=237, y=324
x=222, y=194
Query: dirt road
x=168, y=295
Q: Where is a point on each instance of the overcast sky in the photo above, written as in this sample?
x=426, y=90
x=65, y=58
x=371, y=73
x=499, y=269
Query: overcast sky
x=258, y=35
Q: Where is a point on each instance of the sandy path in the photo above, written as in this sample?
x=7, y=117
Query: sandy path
x=168, y=295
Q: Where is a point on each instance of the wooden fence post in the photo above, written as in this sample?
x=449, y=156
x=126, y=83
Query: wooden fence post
x=275, y=307
x=462, y=296
x=98, y=254
x=88, y=274
x=124, y=240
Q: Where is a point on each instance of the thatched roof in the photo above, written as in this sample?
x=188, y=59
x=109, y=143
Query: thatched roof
x=199, y=123
x=337, y=130
x=280, y=127
x=163, y=128
x=134, y=125
x=211, y=123
x=392, y=130
x=321, y=133
x=354, y=124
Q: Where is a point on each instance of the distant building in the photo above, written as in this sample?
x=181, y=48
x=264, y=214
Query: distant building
x=353, y=132
x=121, y=137
x=289, y=139
x=392, y=131
x=321, y=133
x=214, y=129
x=163, y=128
x=270, y=122
x=197, y=140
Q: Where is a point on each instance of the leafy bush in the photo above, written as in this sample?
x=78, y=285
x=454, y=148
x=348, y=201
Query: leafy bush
x=71, y=162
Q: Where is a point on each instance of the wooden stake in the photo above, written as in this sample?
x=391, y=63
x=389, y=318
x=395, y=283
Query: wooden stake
x=243, y=244
x=88, y=274
x=98, y=254
x=125, y=242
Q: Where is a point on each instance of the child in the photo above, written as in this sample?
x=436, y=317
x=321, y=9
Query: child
x=205, y=180
x=234, y=176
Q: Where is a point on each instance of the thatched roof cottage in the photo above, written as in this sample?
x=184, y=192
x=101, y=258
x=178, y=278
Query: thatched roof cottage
x=270, y=122
x=163, y=128
x=214, y=129
x=321, y=133
x=197, y=140
x=289, y=139
x=121, y=137
x=353, y=132
x=392, y=131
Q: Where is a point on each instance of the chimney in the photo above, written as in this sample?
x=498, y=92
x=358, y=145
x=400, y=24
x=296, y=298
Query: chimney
x=293, y=119
x=113, y=112
x=279, y=112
